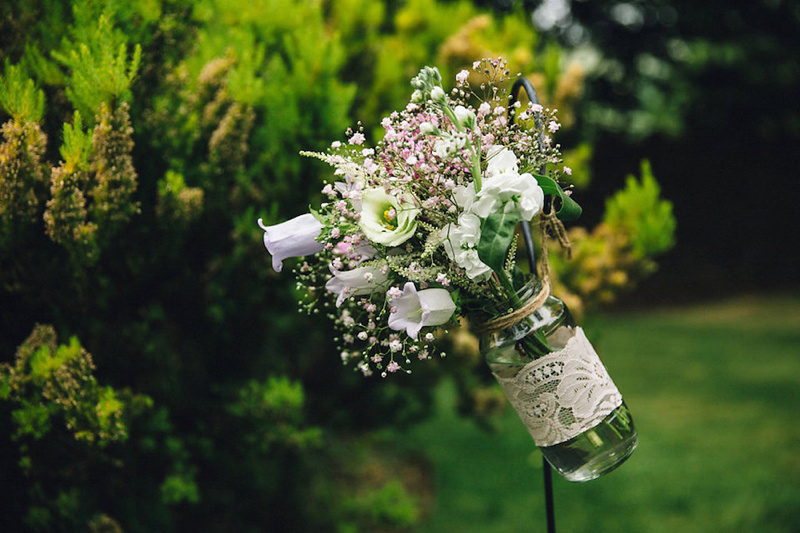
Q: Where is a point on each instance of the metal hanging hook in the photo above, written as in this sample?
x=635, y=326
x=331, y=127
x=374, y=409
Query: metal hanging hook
x=522, y=83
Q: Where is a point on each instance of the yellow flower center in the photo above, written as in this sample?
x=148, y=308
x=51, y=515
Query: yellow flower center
x=389, y=216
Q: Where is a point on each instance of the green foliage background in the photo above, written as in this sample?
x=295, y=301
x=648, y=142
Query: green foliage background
x=155, y=376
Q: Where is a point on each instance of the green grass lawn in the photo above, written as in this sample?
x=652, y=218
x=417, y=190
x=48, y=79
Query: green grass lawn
x=715, y=394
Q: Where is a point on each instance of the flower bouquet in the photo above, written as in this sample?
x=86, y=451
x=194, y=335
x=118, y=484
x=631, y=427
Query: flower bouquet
x=422, y=230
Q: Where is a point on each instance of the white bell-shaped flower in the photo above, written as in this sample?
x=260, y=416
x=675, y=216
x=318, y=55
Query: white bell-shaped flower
x=415, y=309
x=356, y=282
x=293, y=238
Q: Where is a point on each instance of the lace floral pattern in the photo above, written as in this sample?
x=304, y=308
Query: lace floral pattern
x=563, y=394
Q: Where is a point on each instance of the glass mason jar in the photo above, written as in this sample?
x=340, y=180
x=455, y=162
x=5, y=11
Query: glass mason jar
x=560, y=389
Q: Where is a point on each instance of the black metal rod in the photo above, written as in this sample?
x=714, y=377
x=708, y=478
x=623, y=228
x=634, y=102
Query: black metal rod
x=528, y=237
x=549, y=503
x=522, y=83
x=532, y=97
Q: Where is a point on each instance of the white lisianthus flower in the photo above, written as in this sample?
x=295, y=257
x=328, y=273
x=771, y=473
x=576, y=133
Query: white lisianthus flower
x=293, y=238
x=508, y=192
x=415, y=309
x=356, y=282
x=460, y=245
x=386, y=219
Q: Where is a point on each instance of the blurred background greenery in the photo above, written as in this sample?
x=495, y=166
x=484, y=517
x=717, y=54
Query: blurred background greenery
x=155, y=374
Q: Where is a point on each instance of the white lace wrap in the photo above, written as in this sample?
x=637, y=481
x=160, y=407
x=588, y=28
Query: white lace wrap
x=562, y=394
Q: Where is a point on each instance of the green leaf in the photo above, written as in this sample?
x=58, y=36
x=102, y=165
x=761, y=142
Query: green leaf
x=322, y=219
x=497, y=232
x=569, y=209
